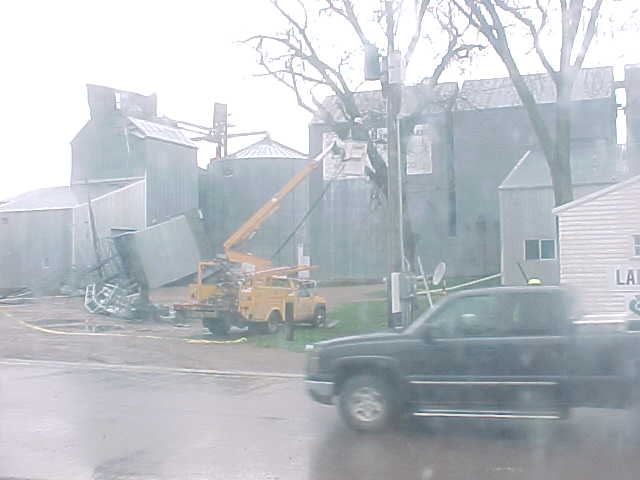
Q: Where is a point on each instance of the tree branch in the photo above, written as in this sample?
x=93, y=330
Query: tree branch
x=348, y=13
x=588, y=36
x=500, y=44
x=413, y=43
x=533, y=30
x=330, y=75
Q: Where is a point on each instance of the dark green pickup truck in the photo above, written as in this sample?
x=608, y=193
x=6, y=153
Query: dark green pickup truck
x=504, y=352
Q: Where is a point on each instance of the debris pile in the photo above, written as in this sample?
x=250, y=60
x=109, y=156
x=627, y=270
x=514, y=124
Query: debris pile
x=110, y=299
x=110, y=289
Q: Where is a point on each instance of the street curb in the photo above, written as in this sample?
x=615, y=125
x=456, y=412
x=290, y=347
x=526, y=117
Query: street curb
x=148, y=369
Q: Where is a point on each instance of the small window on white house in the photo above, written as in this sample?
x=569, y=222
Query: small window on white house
x=4, y=221
x=539, y=249
x=636, y=245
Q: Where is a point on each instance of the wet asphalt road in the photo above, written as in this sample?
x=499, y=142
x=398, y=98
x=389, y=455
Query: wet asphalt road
x=63, y=422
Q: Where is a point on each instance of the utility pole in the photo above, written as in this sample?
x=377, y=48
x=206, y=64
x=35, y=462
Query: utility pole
x=397, y=278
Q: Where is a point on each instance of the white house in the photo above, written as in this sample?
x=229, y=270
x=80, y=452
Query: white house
x=599, y=249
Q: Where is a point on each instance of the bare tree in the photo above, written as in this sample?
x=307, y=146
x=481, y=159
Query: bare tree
x=296, y=59
x=502, y=22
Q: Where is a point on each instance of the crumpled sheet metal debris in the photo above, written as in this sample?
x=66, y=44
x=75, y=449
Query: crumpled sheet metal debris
x=110, y=299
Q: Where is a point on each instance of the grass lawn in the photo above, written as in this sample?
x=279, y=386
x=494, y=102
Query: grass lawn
x=352, y=318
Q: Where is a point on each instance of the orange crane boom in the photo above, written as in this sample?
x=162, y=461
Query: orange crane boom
x=248, y=228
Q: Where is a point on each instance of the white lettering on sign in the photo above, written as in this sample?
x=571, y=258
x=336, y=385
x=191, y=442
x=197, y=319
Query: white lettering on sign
x=624, y=278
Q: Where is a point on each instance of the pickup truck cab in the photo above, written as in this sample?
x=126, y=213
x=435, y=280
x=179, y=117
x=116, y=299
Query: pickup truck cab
x=504, y=352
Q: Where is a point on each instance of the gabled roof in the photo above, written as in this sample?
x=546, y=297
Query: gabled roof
x=587, y=198
x=159, y=131
x=267, y=149
x=590, y=165
x=592, y=83
x=58, y=198
x=372, y=103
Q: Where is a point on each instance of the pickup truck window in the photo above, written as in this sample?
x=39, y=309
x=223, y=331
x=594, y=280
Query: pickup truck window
x=514, y=315
x=280, y=282
x=474, y=316
x=532, y=315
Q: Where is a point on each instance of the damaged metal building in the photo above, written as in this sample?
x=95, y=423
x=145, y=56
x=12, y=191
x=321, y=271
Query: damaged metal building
x=130, y=170
x=139, y=174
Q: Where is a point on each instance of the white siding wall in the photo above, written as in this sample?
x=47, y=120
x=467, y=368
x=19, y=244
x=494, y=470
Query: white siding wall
x=124, y=208
x=595, y=237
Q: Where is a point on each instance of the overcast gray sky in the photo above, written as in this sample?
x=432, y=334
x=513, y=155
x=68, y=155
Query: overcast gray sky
x=184, y=51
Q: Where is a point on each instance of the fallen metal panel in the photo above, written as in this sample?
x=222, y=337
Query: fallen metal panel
x=164, y=253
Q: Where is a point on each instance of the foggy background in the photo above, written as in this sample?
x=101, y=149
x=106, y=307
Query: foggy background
x=186, y=52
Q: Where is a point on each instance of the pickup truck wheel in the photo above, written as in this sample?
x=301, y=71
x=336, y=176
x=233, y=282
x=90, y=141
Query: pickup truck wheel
x=367, y=403
x=217, y=327
x=320, y=316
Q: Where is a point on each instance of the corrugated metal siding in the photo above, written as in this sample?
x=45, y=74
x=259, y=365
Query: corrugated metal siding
x=487, y=143
x=348, y=237
x=35, y=249
x=594, y=237
x=123, y=208
x=236, y=188
x=526, y=214
x=166, y=252
x=347, y=232
x=172, y=180
x=104, y=150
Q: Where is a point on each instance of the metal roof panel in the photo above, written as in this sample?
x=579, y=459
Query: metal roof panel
x=161, y=132
x=592, y=83
x=372, y=103
x=268, y=148
x=57, y=198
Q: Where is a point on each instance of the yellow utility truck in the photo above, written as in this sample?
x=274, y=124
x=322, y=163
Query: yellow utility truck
x=245, y=290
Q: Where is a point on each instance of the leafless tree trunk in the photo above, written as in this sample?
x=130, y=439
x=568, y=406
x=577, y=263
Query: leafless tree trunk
x=490, y=18
x=299, y=66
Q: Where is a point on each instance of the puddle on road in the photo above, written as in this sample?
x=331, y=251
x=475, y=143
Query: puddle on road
x=63, y=325
x=101, y=325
